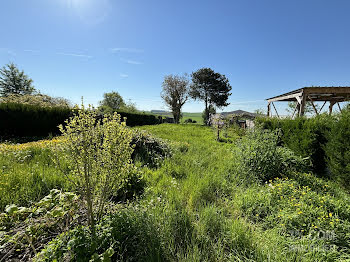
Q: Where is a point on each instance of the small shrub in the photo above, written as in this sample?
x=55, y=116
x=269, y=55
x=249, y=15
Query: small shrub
x=262, y=158
x=98, y=154
x=148, y=149
x=304, y=136
x=189, y=120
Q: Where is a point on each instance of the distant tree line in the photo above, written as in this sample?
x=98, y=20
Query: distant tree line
x=206, y=85
x=25, y=112
x=17, y=87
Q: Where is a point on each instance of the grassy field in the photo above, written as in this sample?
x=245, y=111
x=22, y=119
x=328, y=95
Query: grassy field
x=193, y=116
x=198, y=205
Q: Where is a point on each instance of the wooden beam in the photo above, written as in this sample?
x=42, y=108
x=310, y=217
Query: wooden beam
x=284, y=97
x=323, y=90
x=312, y=103
x=268, y=109
x=275, y=109
x=339, y=107
x=323, y=106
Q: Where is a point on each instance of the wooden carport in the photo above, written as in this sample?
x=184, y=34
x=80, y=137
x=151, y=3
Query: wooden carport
x=333, y=95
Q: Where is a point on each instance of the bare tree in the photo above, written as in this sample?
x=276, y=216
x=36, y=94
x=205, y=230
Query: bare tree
x=175, y=93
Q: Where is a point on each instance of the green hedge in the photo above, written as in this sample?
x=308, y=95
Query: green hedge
x=338, y=148
x=139, y=119
x=307, y=137
x=22, y=120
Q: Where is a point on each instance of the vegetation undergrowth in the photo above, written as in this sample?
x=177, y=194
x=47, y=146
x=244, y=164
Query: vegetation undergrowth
x=200, y=205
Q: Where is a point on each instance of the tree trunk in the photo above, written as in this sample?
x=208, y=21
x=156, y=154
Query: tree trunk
x=206, y=111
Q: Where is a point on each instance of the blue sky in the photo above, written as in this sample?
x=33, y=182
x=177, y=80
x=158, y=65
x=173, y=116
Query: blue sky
x=74, y=48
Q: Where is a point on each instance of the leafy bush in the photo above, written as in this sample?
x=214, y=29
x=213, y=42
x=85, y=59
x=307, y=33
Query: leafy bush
x=98, y=154
x=304, y=136
x=338, y=148
x=261, y=156
x=29, y=228
x=189, y=120
x=148, y=149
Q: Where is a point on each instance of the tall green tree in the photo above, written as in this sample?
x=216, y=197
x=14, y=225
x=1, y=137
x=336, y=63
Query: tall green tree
x=111, y=102
x=175, y=93
x=211, y=87
x=14, y=82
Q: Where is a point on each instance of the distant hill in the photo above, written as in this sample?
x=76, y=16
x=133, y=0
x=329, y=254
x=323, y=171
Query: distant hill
x=160, y=112
x=239, y=112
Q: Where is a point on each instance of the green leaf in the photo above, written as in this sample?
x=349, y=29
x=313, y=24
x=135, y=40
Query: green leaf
x=11, y=209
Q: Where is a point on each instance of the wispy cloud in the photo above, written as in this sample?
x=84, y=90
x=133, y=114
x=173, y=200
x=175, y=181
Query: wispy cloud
x=75, y=55
x=124, y=75
x=31, y=51
x=127, y=50
x=131, y=62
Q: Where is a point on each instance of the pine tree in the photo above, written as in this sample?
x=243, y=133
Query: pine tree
x=14, y=82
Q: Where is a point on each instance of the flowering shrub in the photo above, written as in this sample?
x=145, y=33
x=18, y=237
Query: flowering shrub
x=98, y=154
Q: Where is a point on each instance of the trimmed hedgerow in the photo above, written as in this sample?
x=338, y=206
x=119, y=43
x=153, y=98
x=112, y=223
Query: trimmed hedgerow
x=338, y=148
x=19, y=120
x=23, y=120
x=139, y=119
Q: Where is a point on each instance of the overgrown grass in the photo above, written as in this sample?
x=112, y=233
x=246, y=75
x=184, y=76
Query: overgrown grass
x=27, y=173
x=198, y=205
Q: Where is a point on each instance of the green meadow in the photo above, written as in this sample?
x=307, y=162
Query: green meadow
x=202, y=203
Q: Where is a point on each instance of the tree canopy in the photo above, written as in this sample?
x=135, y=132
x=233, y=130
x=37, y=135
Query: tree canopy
x=175, y=93
x=211, y=87
x=14, y=82
x=112, y=100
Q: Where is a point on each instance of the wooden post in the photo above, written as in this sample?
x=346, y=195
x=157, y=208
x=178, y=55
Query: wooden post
x=295, y=109
x=268, y=109
x=331, y=103
x=302, y=105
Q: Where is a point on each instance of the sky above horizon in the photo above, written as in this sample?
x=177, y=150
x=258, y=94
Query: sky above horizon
x=84, y=48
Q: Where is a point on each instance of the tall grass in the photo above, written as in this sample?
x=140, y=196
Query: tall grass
x=199, y=206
